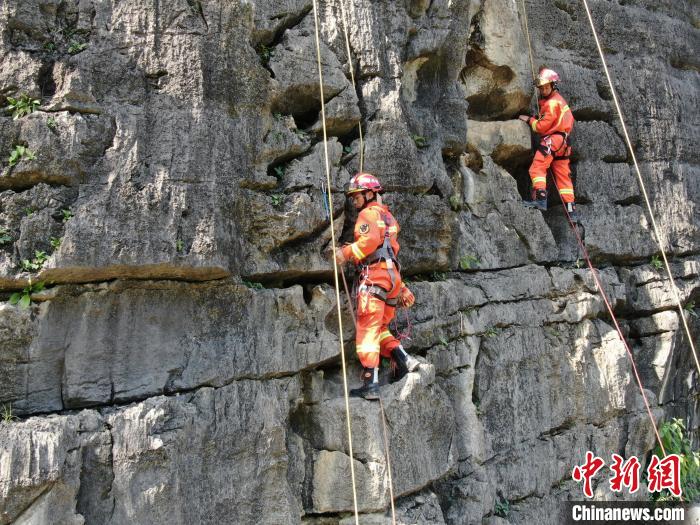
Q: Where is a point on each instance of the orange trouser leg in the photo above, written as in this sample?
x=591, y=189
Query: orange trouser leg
x=370, y=313
x=562, y=178
x=387, y=341
x=538, y=170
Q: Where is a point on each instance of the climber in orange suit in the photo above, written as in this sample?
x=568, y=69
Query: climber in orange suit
x=554, y=127
x=380, y=289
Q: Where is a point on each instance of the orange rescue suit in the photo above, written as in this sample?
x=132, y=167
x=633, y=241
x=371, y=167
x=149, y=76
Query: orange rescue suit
x=554, y=126
x=373, y=223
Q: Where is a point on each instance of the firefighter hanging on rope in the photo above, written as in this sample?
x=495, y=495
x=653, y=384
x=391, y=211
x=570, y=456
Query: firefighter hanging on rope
x=554, y=127
x=380, y=288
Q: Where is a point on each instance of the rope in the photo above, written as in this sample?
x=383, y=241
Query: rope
x=599, y=285
x=532, y=62
x=388, y=462
x=335, y=266
x=659, y=238
x=352, y=78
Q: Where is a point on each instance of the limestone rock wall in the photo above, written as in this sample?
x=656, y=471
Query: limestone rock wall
x=182, y=364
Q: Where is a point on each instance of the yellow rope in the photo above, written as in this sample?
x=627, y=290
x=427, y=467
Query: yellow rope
x=659, y=238
x=388, y=462
x=335, y=266
x=352, y=78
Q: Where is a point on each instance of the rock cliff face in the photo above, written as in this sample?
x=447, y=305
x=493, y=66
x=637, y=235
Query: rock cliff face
x=182, y=365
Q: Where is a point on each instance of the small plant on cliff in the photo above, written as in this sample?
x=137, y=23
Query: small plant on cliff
x=676, y=441
x=491, y=332
x=277, y=200
x=502, y=508
x=656, y=262
x=279, y=172
x=689, y=308
x=24, y=105
x=455, y=202
x=76, y=47
x=24, y=298
x=179, y=245
x=467, y=262
x=253, y=285
x=55, y=242
x=36, y=263
x=66, y=214
x=49, y=46
x=7, y=415
x=265, y=53
x=4, y=236
x=51, y=123
x=19, y=153
x=420, y=141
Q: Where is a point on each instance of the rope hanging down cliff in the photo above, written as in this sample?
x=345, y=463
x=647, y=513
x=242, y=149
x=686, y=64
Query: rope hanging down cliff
x=599, y=286
x=335, y=266
x=659, y=237
x=328, y=198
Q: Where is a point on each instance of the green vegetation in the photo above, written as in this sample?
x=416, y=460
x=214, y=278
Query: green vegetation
x=7, y=415
x=277, y=200
x=55, y=242
x=51, y=123
x=279, y=172
x=689, y=307
x=49, y=46
x=253, y=285
x=347, y=150
x=4, y=237
x=36, y=263
x=438, y=276
x=20, y=153
x=76, y=47
x=468, y=262
x=420, y=141
x=66, y=214
x=443, y=341
x=265, y=53
x=24, y=105
x=502, y=508
x=455, y=202
x=656, y=262
x=303, y=135
x=676, y=441
x=491, y=332
x=24, y=298
x=179, y=245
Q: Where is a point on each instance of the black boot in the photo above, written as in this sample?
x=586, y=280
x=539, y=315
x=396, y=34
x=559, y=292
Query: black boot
x=539, y=200
x=404, y=362
x=370, y=388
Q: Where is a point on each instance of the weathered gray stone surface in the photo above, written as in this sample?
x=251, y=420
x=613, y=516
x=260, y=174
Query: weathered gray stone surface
x=182, y=365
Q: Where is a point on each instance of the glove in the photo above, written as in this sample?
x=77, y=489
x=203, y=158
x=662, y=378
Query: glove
x=405, y=298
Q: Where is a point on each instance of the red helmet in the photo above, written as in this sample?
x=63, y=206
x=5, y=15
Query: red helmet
x=363, y=182
x=546, y=76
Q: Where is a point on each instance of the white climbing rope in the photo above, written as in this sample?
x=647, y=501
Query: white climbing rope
x=659, y=237
x=335, y=266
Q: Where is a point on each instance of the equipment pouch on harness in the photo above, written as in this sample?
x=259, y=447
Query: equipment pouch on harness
x=378, y=292
x=545, y=146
